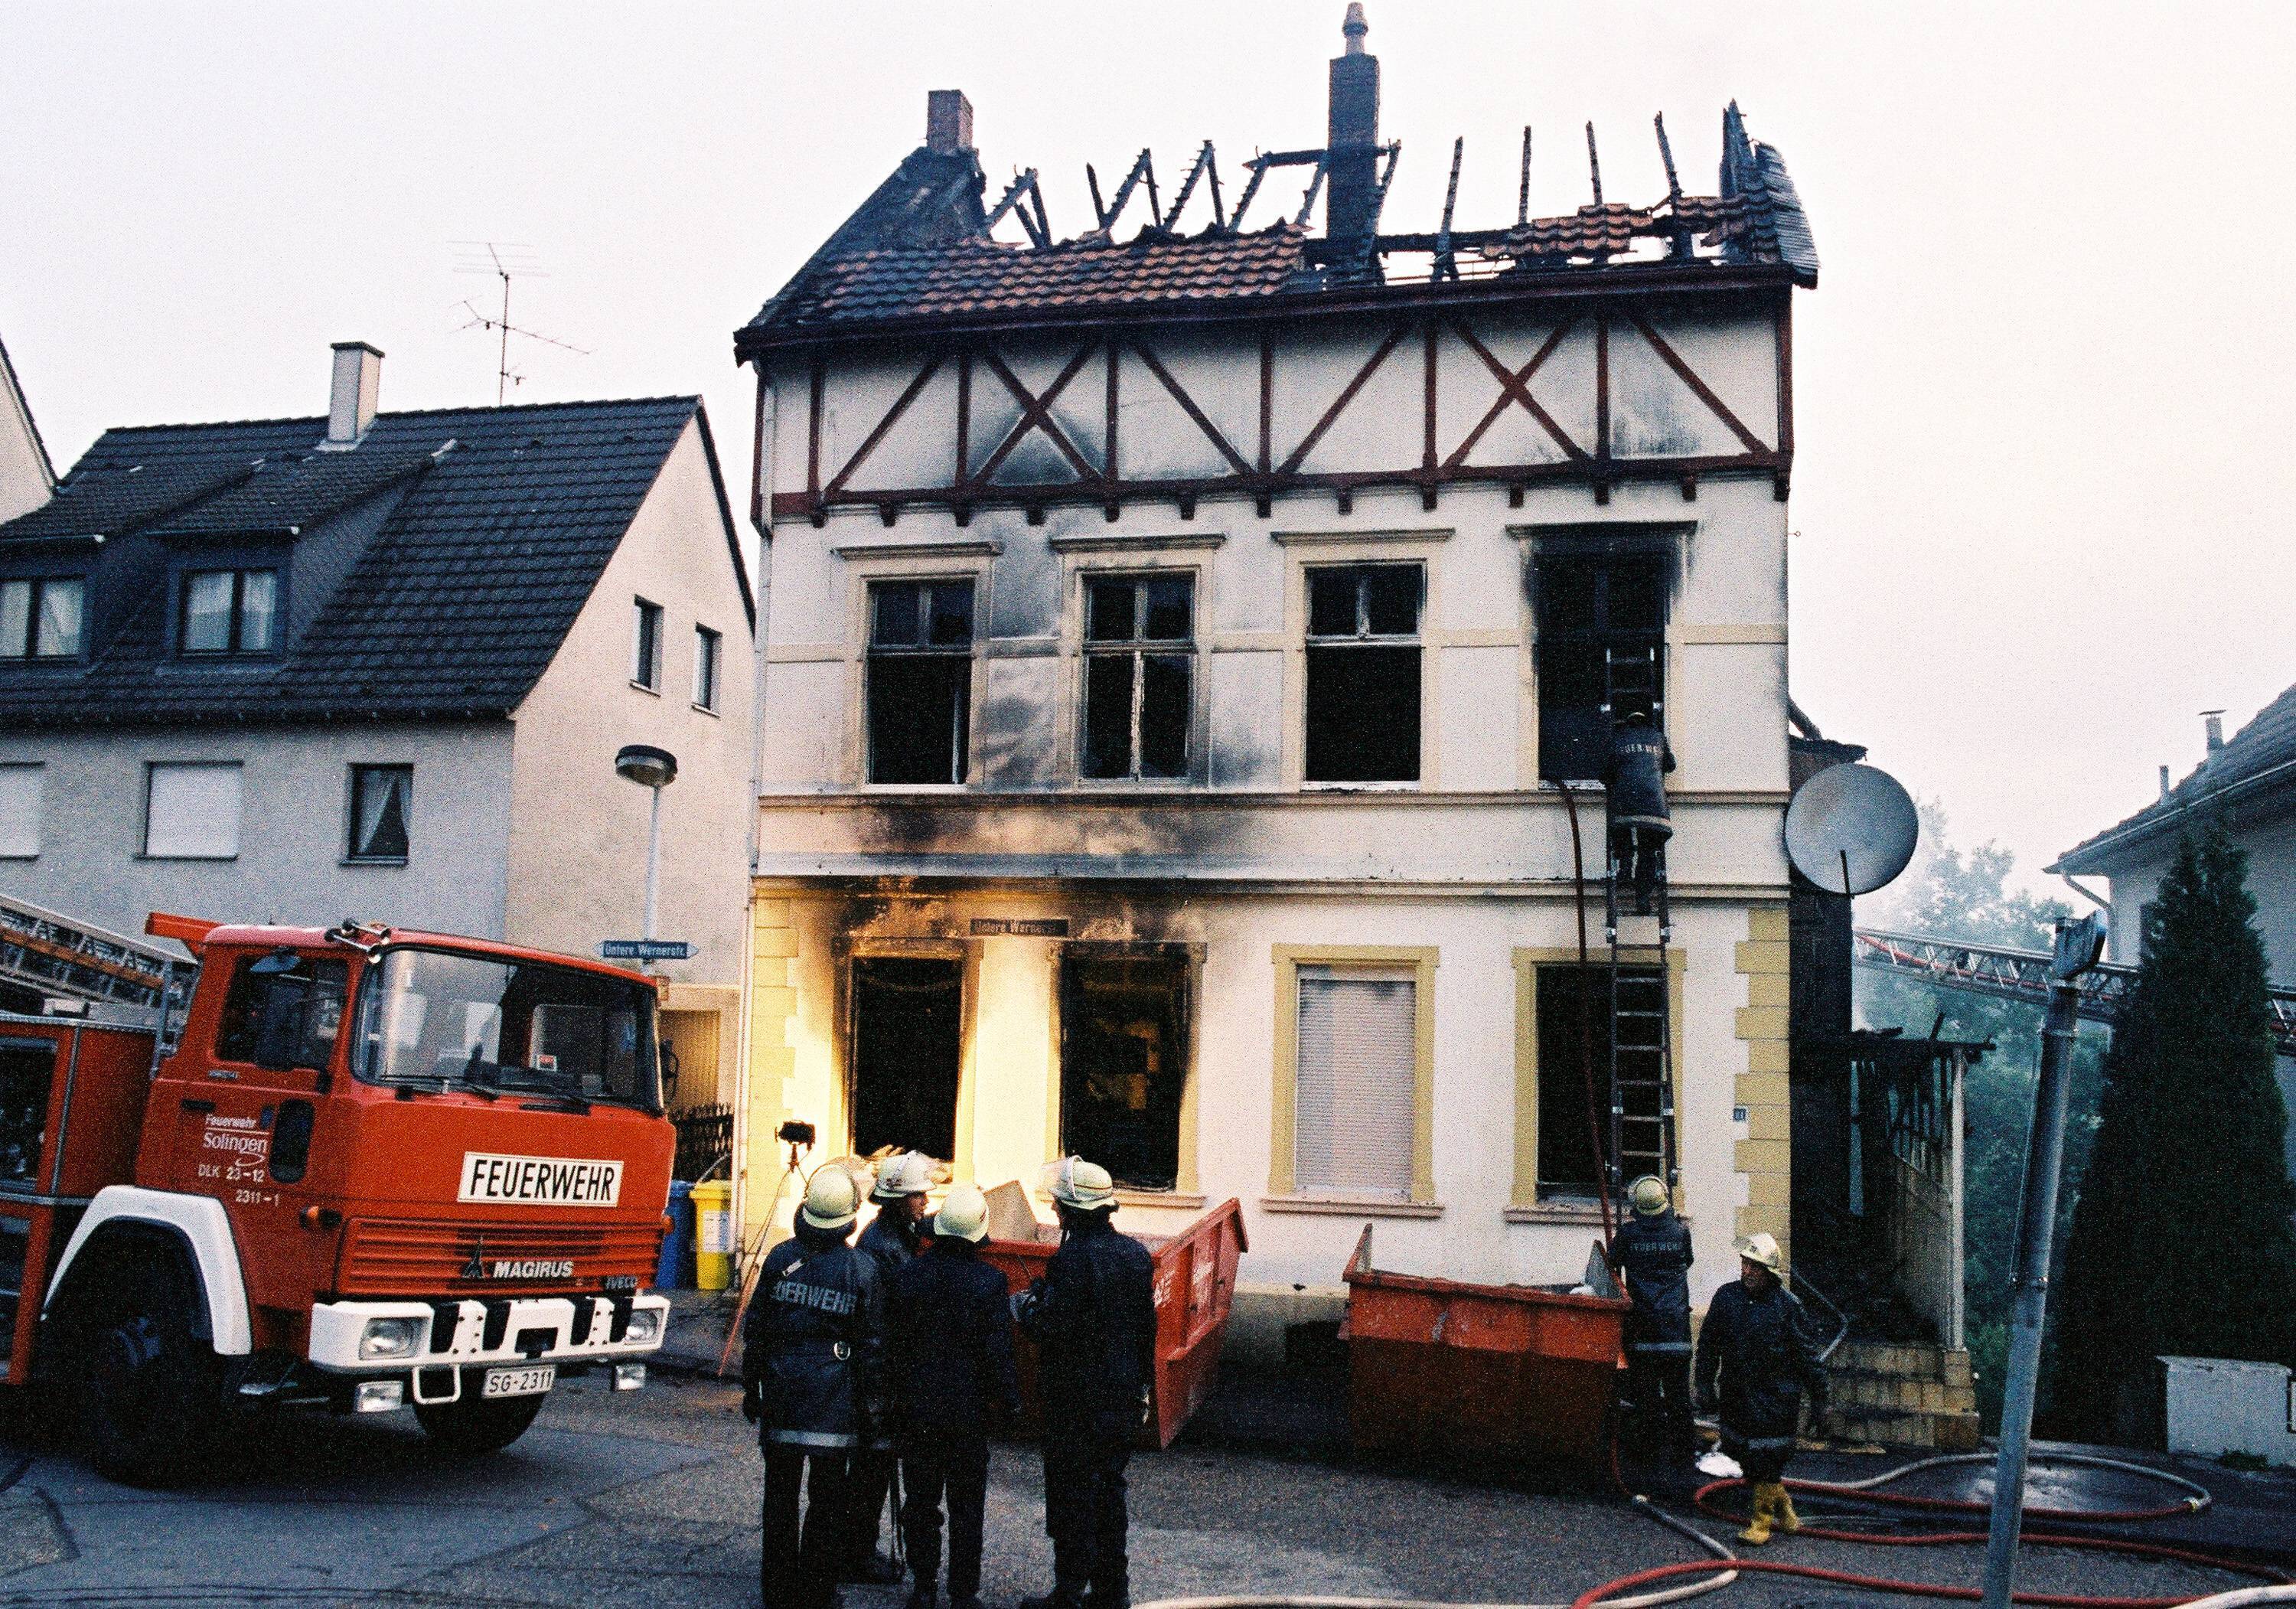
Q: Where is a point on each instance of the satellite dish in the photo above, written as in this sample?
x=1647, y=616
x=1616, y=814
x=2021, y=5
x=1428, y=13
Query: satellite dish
x=1851, y=829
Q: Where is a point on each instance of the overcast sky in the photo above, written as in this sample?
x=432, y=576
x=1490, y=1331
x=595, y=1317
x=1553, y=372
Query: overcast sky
x=2042, y=390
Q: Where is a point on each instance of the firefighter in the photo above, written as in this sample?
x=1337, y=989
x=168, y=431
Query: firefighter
x=1636, y=782
x=809, y=1374
x=1093, y=1317
x=889, y=1242
x=949, y=1338
x=1653, y=1250
x=1766, y=1350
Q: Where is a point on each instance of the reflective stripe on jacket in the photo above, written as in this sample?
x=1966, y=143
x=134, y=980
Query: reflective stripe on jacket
x=811, y=1344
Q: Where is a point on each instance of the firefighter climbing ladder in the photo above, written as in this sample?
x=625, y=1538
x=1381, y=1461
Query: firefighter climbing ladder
x=1641, y=1022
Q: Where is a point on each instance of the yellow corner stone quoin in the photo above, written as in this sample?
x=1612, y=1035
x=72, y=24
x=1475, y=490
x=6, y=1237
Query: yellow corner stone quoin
x=1764, y=1157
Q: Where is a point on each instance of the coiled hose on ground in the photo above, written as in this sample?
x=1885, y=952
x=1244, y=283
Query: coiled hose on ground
x=1712, y=1574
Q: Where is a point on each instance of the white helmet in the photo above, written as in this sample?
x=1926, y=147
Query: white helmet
x=964, y=1216
x=1074, y=1182
x=1648, y=1195
x=1762, y=1249
x=908, y=1174
x=831, y=1199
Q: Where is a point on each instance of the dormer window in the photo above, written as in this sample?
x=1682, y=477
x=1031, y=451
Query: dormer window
x=230, y=611
x=44, y=618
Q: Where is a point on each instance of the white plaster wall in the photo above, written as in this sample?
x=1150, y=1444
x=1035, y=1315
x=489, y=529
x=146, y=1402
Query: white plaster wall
x=577, y=836
x=294, y=830
x=24, y=479
x=1012, y=1065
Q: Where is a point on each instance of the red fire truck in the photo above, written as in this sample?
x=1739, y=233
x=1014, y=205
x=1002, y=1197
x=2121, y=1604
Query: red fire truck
x=357, y=1167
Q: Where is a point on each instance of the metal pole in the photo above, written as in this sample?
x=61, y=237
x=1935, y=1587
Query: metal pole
x=653, y=859
x=2080, y=944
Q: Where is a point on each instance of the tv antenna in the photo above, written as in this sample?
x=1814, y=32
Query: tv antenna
x=504, y=261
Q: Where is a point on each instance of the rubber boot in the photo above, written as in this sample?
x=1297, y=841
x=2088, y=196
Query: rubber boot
x=1757, y=1524
x=1782, y=1509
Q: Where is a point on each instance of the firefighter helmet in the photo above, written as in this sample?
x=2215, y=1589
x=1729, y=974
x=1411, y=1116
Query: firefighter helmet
x=831, y=1199
x=1648, y=1196
x=1074, y=1182
x=908, y=1174
x=964, y=1215
x=1762, y=1249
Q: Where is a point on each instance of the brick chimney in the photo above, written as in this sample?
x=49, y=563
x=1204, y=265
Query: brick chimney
x=2213, y=720
x=949, y=122
x=1352, y=186
x=358, y=389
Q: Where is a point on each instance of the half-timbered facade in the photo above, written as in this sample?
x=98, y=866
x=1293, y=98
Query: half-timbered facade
x=1186, y=646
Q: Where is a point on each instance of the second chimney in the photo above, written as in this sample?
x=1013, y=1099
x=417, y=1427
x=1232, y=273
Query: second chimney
x=1352, y=138
x=949, y=122
x=2214, y=720
x=357, y=389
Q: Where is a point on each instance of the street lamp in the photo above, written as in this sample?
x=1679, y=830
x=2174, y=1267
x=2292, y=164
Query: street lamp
x=652, y=769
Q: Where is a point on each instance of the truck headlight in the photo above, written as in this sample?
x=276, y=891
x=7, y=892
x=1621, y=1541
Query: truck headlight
x=645, y=1326
x=383, y=1339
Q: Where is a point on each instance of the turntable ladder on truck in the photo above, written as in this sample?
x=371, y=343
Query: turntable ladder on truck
x=61, y=958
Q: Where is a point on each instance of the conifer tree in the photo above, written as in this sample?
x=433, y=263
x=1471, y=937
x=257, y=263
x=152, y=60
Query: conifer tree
x=2182, y=1242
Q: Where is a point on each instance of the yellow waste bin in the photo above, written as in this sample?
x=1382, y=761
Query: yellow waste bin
x=715, y=1241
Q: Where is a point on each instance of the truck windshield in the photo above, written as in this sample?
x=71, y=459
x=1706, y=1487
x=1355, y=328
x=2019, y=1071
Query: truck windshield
x=436, y=1019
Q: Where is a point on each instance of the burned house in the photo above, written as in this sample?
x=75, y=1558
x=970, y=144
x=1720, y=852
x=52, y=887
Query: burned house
x=1188, y=661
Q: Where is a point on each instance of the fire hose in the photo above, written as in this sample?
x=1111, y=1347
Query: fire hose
x=1725, y=1567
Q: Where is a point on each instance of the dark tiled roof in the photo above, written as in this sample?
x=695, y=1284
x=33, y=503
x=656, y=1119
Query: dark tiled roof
x=111, y=499
x=285, y=495
x=453, y=610
x=2253, y=759
x=916, y=250
x=980, y=276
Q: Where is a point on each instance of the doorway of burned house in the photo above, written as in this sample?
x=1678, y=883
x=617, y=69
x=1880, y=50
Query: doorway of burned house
x=907, y=1040
x=1124, y=1058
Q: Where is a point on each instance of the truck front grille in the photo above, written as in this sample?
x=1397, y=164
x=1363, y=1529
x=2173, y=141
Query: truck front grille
x=390, y=1257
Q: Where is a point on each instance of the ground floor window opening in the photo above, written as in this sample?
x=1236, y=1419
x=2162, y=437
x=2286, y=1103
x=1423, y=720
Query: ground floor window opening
x=907, y=1043
x=1356, y=1111
x=1124, y=1060
x=1572, y=1118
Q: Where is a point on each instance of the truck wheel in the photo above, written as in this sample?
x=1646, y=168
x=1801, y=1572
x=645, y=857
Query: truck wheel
x=153, y=1392
x=469, y=1427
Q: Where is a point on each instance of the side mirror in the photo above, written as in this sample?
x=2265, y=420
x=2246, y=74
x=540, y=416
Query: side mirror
x=279, y=1031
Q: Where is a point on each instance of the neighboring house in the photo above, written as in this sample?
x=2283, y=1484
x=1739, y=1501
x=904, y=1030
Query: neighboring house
x=27, y=478
x=379, y=666
x=2249, y=784
x=1177, y=642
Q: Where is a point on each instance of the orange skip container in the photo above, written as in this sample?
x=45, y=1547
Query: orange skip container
x=1438, y=1367
x=1194, y=1276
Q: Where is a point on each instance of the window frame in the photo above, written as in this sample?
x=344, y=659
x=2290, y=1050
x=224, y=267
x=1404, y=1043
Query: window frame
x=1140, y=649
x=1525, y=1204
x=239, y=832
x=353, y=773
x=963, y=757
x=1310, y=642
x=708, y=667
x=39, y=780
x=649, y=624
x=1662, y=542
x=1186, y=1188
x=36, y=587
x=1283, y=1192
x=235, y=620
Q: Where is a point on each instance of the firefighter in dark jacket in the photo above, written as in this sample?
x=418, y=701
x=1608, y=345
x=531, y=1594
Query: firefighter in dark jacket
x=1766, y=1350
x=889, y=1242
x=1634, y=780
x=1093, y=1317
x=1653, y=1250
x=948, y=1341
x=809, y=1376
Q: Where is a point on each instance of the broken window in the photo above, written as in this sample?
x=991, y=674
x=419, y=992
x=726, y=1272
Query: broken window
x=1355, y=1100
x=1600, y=605
x=1363, y=672
x=1123, y=1062
x=1139, y=674
x=907, y=1051
x=1574, y=1075
x=920, y=680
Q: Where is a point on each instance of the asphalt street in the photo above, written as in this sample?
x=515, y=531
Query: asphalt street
x=651, y=1499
